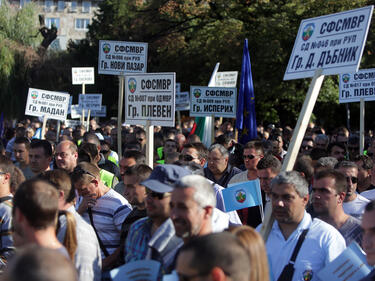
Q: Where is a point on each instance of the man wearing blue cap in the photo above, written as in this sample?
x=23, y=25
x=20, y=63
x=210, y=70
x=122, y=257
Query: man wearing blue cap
x=154, y=237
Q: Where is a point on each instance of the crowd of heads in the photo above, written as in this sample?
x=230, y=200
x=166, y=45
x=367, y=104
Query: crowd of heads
x=49, y=173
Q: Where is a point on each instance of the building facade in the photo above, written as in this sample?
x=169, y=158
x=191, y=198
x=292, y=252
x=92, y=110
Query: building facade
x=71, y=18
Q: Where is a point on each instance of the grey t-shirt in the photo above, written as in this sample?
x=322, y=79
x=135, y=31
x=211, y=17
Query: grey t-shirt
x=351, y=230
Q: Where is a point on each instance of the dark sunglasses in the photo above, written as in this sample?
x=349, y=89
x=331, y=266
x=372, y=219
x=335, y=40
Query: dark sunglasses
x=370, y=154
x=154, y=194
x=353, y=179
x=188, y=158
x=250, y=157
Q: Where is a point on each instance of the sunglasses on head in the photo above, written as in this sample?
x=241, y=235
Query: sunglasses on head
x=79, y=170
x=250, y=157
x=353, y=179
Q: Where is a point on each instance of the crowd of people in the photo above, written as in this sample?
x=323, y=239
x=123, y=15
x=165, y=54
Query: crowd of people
x=71, y=208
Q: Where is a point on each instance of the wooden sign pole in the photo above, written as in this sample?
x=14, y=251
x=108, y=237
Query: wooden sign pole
x=298, y=134
x=149, y=144
x=44, y=127
x=83, y=111
x=362, y=126
x=119, y=116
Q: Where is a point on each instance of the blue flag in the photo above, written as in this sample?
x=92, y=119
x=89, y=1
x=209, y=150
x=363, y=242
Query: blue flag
x=242, y=195
x=245, y=120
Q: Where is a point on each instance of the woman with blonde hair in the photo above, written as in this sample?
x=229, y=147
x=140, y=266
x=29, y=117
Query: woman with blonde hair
x=254, y=244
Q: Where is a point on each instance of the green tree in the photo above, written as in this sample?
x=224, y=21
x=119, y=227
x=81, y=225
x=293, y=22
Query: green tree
x=18, y=36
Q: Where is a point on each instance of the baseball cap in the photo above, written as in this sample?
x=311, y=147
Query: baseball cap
x=164, y=177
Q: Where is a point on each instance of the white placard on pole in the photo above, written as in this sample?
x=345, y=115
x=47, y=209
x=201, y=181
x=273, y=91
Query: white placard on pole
x=334, y=43
x=90, y=101
x=53, y=105
x=356, y=86
x=119, y=58
x=75, y=111
x=83, y=75
x=150, y=97
x=226, y=79
x=217, y=101
x=182, y=101
x=100, y=113
x=72, y=123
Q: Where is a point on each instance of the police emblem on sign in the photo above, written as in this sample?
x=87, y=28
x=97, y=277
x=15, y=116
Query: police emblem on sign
x=132, y=84
x=307, y=275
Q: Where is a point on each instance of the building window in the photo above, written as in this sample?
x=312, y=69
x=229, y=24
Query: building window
x=52, y=22
x=86, y=5
x=60, y=6
x=73, y=6
x=48, y=5
x=82, y=24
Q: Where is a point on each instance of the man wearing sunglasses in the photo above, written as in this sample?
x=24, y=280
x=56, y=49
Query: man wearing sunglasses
x=154, y=237
x=354, y=203
x=329, y=190
x=252, y=154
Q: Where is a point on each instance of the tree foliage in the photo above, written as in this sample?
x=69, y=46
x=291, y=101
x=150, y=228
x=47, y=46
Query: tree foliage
x=190, y=36
x=18, y=36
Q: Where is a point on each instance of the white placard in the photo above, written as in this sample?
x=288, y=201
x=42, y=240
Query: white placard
x=118, y=58
x=178, y=88
x=226, y=79
x=83, y=75
x=72, y=123
x=356, y=86
x=217, y=101
x=182, y=101
x=90, y=101
x=53, y=105
x=70, y=103
x=75, y=111
x=100, y=113
x=151, y=97
x=333, y=43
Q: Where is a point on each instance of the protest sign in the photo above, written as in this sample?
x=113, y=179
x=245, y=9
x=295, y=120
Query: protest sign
x=73, y=123
x=226, y=79
x=242, y=195
x=217, y=101
x=356, y=86
x=150, y=97
x=100, y=113
x=75, y=111
x=349, y=266
x=43, y=103
x=145, y=270
x=182, y=101
x=90, y=101
x=83, y=75
x=330, y=44
x=333, y=43
x=70, y=103
x=118, y=58
x=178, y=87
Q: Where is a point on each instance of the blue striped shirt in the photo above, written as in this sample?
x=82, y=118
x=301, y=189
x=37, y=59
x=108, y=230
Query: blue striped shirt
x=109, y=213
